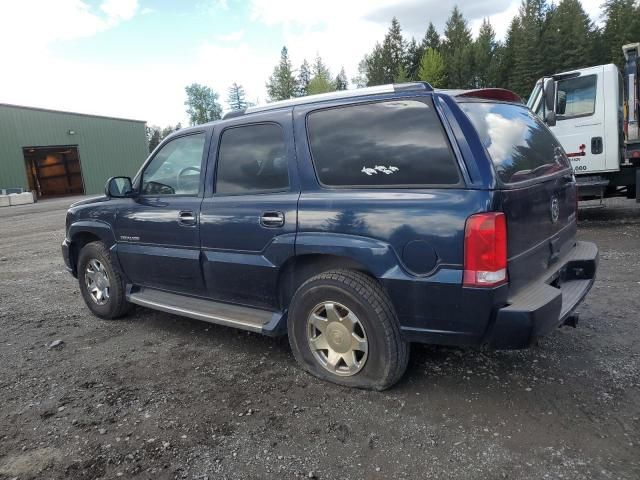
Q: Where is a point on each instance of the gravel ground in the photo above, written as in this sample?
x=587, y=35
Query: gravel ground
x=159, y=396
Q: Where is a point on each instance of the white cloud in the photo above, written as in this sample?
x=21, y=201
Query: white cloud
x=231, y=37
x=119, y=9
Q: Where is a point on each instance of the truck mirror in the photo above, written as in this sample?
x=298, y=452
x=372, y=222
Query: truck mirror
x=549, y=93
x=118, y=187
x=549, y=99
x=550, y=118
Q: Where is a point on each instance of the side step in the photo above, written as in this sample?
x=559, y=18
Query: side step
x=245, y=318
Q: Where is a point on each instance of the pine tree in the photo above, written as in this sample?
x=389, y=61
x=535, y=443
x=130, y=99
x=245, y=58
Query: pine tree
x=236, y=98
x=393, y=52
x=304, y=78
x=202, y=104
x=458, y=51
x=282, y=85
x=341, y=82
x=412, y=62
x=528, y=46
x=622, y=26
x=321, y=81
x=567, y=39
x=402, y=76
x=432, y=68
x=484, y=57
x=431, y=39
x=372, y=70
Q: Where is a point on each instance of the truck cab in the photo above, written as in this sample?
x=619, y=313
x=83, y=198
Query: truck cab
x=594, y=116
x=588, y=114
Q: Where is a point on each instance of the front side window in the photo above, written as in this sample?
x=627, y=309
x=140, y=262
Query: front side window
x=576, y=97
x=521, y=147
x=392, y=143
x=252, y=159
x=176, y=168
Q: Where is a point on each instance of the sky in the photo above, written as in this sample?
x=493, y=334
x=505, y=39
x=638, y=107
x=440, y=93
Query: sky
x=133, y=58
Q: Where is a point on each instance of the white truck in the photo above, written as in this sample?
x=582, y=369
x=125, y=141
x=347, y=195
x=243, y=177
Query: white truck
x=594, y=114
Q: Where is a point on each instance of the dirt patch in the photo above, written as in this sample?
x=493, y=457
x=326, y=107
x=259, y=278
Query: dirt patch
x=158, y=396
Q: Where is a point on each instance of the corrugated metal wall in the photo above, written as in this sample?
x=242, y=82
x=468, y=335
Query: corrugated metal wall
x=107, y=147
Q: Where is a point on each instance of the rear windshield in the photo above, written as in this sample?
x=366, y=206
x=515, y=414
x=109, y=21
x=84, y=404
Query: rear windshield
x=519, y=144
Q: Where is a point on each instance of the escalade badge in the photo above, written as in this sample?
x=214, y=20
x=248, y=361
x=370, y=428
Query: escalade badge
x=555, y=209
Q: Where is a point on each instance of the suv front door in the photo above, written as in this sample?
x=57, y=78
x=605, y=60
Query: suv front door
x=248, y=223
x=158, y=231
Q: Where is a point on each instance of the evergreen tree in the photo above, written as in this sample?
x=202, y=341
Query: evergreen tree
x=432, y=68
x=622, y=26
x=321, y=81
x=282, y=85
x=431, y=38
x=202, y=104
x=341, y=82
x=412, y=62
x=529, y=47
x=236, y=98
x=320, y=84
x=402, y=76
x=458, y=51
x=372, y=68
x=154, y=137
x=567, y=40
x=393, y=52
x=304, y=78
x=484, y=57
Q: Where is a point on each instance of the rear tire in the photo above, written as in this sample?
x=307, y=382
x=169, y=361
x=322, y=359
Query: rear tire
x=343, y=329
x=101, y=285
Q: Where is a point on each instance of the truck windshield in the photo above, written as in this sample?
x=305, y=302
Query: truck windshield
x=521, y=147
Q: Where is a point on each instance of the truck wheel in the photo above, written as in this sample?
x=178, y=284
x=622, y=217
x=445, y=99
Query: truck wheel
x=101, y=286
x=343, y=328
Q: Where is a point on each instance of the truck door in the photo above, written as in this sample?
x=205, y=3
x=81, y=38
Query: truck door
x=580, y=124
x=158, y=231
x=248, y=223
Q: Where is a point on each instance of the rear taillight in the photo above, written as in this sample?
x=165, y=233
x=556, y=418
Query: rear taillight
x=485, y=250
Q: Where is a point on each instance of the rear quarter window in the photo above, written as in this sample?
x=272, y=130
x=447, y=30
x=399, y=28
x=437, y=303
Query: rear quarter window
x=521, y=147
x=390, y=143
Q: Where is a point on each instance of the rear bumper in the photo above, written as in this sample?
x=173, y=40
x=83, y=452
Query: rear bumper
x=545, y=304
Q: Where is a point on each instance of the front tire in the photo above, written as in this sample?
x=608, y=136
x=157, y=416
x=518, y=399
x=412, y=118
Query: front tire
x=101, y=286
x=343, y=328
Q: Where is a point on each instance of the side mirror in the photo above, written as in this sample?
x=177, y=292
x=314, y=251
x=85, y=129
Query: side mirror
x=118, y=187
x=549, y=98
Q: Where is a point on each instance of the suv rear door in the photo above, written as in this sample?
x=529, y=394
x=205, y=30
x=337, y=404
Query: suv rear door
x=249, y=219
x=537, y=190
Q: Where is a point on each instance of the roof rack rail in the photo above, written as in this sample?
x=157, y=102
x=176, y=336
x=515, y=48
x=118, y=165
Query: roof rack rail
x=356, y=93
x=234, y=113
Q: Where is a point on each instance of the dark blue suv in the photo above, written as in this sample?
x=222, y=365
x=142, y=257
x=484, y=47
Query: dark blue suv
x=356, y=222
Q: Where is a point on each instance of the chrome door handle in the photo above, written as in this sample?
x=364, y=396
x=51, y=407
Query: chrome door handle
x=187, y=218
x=272, y=219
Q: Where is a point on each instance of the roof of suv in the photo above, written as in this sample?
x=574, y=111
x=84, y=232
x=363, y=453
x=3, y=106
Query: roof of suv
x=498, y=94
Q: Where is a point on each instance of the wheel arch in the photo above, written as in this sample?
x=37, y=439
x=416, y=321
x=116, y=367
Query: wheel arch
x=84, y=232
x=298, y=269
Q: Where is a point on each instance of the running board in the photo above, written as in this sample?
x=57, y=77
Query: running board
x=245, y=318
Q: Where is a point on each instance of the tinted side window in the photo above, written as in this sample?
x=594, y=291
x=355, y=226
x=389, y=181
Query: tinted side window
x=252, y=159
x=519, y=144
x=175, y=170
x=398, y=142
x=576, y=96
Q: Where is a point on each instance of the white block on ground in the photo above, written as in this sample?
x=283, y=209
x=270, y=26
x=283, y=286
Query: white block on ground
x=4, y=201
x=20, y=198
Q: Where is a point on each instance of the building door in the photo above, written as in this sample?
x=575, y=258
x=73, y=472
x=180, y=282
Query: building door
x=54, y=171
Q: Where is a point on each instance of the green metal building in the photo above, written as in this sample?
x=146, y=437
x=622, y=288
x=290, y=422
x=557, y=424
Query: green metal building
x=62, y=153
